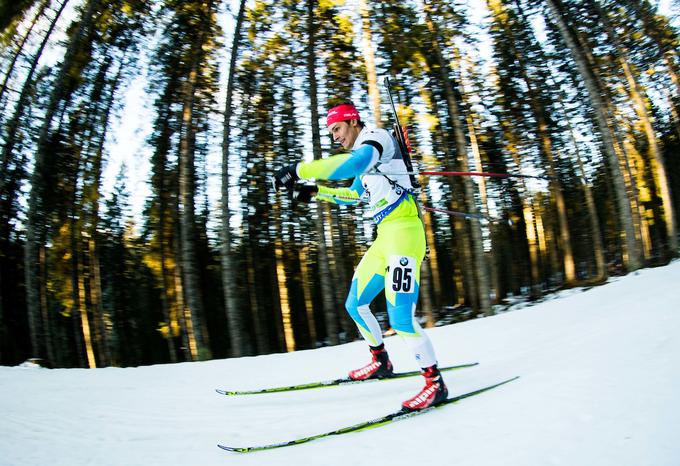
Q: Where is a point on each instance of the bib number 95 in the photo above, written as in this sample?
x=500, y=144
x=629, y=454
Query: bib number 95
x=402, y=274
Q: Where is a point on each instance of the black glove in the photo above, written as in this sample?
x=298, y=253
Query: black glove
x=286, y=178
x=303, y=192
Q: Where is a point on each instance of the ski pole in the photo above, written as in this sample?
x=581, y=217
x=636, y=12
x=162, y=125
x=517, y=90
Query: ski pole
x=489, y=174
x=453, y=213
x=467, y=216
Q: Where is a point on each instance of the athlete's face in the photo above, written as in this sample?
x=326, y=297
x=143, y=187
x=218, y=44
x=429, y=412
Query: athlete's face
x=345, y=132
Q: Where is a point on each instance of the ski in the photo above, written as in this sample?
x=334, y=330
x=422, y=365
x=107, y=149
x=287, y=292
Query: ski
x=377, y=422
x=332, y=383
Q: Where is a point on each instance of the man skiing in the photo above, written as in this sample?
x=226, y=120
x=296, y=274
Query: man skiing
x=393, y=260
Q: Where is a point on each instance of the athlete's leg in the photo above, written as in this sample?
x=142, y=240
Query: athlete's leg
x=367, y=282
x=405, y=249
x=402, y=285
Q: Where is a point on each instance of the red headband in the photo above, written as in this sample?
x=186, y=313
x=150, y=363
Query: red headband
x=342, y=112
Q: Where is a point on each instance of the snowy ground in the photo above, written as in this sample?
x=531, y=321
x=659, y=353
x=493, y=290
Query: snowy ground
x=600, y=378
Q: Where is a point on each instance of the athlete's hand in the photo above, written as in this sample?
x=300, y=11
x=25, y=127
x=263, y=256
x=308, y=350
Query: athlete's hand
x=303, y=192
x=286, y=178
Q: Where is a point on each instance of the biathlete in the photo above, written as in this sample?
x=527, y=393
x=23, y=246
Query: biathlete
x=393, y=261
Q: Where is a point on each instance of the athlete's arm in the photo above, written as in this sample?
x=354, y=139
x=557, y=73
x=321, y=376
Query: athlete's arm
x=342, y=196
x=342, y=166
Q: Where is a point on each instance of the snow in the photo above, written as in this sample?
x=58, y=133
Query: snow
x=599, y=382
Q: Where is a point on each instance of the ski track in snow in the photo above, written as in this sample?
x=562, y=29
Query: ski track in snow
x=600, y=377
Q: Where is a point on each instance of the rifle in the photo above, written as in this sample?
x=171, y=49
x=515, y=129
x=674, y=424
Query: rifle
x=401, y=135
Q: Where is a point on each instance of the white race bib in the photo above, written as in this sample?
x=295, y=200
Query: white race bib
x=402, y=274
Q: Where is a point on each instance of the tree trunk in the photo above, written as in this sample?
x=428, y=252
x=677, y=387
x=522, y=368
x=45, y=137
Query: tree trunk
x=595, y=232
x=544, y=246
x=538, y=109
x=637, y=205
x=189, y=345
x=307, y=291
x=656, y=157
x=426, y=296
x=329, y=310
x=555, y=186
x=476, y=153
x=431, y=288
x=96, y=296
x=529, y=222
x=369, y=61
x=193, y=302
x=234, y=314
x=481, y=273
x=534, y=252
x=78, y=265
x=601, y=272
x=633, y=261
x=490, y=258
x=166, y=282
x=433, y=260
x=631, y=185
x=81, y=304
x=187, y=187
x=261, y=340
x=170, y=300
x=335, y=255
x=35, y=214
x=561, y=208
x=432, y=264
x=286, y=322
x=42, y=292
x=460, y=242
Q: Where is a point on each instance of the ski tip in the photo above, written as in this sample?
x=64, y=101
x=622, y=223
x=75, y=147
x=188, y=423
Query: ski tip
x=234, y=449
x=459, y=366
x=232, y=393
x=503, y=382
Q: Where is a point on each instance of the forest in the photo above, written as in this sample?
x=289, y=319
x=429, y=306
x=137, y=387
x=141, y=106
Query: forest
x=574, y=104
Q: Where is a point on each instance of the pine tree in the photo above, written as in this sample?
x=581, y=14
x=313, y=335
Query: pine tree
x=481, y=288
x=200, y=21
x=640, y=102
x=10, y=179
x=521, y=61
x=322, y=249
x=35, y=217
x=579, y=52
x=235, y=315
x=369, y=58
x=20, y=48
